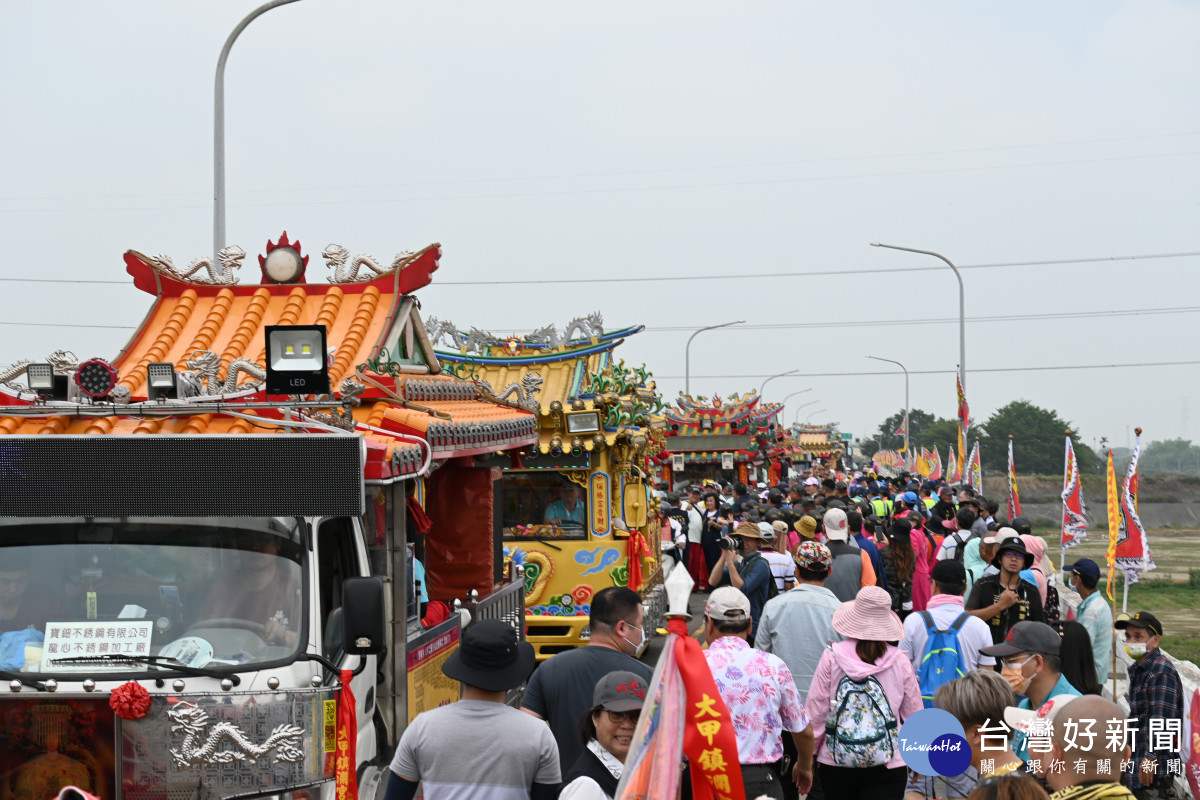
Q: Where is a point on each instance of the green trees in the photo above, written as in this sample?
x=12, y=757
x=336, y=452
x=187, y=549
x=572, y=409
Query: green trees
x=1038, y=440
x=1170, y=457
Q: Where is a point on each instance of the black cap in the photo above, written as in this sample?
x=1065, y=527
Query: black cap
x=1021, y=524
x=950, y=572
x=1027, y=637
x=1142, y=619
x=1084, y=568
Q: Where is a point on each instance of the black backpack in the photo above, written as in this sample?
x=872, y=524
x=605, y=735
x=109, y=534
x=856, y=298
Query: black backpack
x=772, y=587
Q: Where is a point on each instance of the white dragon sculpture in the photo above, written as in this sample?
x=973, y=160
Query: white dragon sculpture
x=202, y=745
x=336, y=257
x=592, y=326
x=205, y=377
x=438, y=329
x=530, y=384
x=230, y=257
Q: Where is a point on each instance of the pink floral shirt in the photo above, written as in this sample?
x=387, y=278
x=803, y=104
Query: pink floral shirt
x=761, y=696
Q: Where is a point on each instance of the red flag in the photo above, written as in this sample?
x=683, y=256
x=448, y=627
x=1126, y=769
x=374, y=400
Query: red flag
x=1133, y=546
x=1074, y=519
x=1014, y=500
x=709, y=740
x=953, y=471
x=683, y=715
x=346, y=757
x=1192, y=770
x=935, y=466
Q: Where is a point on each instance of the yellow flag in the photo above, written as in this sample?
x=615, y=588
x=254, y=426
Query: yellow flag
x=1114, y=523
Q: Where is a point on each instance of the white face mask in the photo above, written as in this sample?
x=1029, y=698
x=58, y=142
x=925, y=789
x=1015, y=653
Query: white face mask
x=641, y=638
x=1135, y=650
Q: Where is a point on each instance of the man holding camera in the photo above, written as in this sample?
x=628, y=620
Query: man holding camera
x=744, y=568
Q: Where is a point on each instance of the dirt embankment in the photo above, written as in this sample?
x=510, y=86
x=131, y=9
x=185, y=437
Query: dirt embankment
x=1048, y=488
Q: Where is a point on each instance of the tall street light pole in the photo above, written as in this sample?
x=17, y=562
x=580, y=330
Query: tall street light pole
x=810, y=416
x=773, y=377
x=219, y=125
x=793, y=394
x=687, y=352
x=962, y=306
x=803, y=405
x=907, y=451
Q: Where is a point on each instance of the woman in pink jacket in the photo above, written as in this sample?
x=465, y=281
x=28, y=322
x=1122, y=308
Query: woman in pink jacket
x=863, y=689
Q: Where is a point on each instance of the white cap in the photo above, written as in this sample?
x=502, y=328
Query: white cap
x=768, y=532
x=811, y=482
x=836, y=527
x=727, y=603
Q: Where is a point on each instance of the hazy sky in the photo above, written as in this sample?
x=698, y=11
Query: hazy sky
x=700, y=141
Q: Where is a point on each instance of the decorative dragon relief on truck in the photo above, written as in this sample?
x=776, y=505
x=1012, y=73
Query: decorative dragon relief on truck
x=530, y=385
x=336, y=257
x=446, y=334
x=202, y=745
x=230, y=258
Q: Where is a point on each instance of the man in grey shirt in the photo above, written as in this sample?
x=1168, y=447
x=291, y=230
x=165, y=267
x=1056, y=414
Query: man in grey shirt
x=797, y=625
x=479, y=748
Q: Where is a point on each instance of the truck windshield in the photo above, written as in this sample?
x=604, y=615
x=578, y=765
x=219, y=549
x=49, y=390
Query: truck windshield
x=543, y=506
x=201, y=591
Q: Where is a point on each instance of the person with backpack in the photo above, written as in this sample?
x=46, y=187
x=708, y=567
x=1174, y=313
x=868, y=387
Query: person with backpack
x=944, y=643
x=863, y=690
x=744, y=568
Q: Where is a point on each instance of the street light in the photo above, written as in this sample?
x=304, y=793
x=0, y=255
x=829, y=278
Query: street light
x=803, y=405
x=962, y=306
x=219, y=125
x=810, y=416
x=907, y=452
x=687, y=354
x=793, y=394
x=773, y=377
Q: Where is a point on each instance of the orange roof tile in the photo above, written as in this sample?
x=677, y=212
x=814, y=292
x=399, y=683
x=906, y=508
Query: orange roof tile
x=189, y=316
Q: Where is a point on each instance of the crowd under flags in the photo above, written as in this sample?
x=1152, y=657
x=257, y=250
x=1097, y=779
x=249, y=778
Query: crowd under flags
x=1074, y=517
x=1014, y=499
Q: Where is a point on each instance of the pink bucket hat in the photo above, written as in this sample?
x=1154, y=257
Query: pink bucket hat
x=869, y=616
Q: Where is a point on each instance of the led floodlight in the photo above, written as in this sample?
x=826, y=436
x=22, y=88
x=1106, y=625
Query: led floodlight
x=160, y=380
x=587, y=422
x=296, y=362
x=40, y=377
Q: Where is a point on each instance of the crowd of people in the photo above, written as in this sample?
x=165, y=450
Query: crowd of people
x=834, y=612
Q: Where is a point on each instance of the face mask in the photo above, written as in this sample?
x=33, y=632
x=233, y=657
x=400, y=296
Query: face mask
x=641, y=639
x=1012, y=674
x=1136, y=650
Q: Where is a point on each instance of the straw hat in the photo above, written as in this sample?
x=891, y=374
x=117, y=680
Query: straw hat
x=869, y=616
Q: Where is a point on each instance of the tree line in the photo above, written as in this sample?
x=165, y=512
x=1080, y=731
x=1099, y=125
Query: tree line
x=1038, y=443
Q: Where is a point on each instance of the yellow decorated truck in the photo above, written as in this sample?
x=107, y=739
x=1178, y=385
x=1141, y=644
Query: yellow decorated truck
x=575, y=510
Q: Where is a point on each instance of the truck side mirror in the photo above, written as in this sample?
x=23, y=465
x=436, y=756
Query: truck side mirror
x=364, y=630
